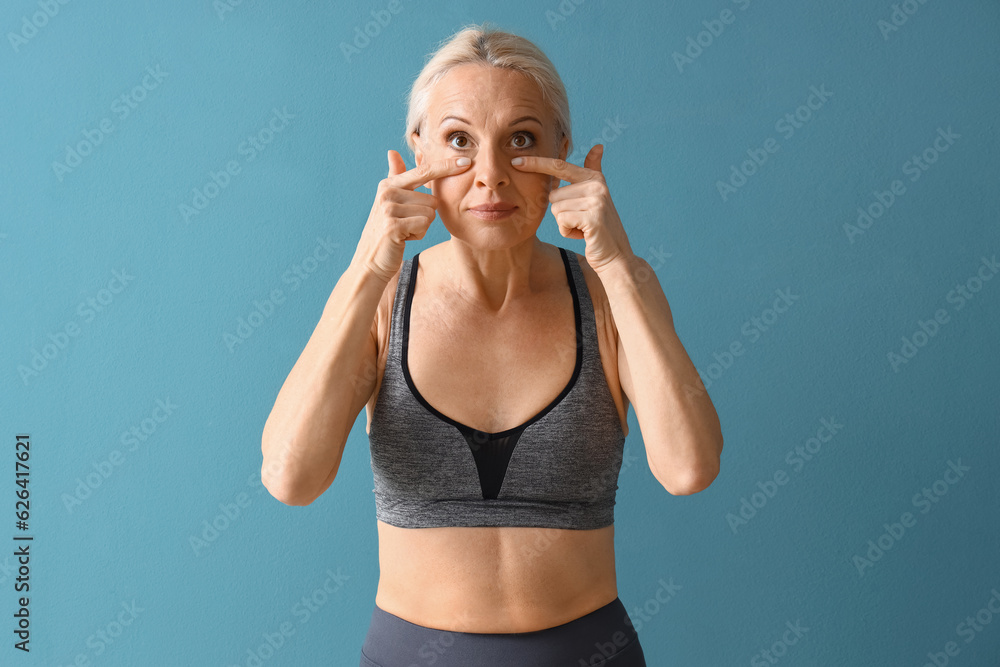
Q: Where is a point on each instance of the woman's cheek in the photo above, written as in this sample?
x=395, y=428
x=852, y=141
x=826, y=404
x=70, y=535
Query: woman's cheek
x=447, y=193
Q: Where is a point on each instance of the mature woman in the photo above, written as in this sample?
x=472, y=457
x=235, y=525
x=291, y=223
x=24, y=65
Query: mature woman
x=497, y=372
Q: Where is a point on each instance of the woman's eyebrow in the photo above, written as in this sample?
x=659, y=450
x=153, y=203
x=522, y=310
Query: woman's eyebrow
x=512, y=124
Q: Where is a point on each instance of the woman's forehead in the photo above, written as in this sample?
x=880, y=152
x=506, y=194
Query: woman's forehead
x=504, y=95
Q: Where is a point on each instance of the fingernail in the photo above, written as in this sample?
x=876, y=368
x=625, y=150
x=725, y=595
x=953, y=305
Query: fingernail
x=462, y=161
x=517, y=160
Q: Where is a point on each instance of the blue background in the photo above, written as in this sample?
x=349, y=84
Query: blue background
x=720, y=259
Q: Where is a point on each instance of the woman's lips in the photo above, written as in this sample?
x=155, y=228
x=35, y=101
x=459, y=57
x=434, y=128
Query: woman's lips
x=492, y=214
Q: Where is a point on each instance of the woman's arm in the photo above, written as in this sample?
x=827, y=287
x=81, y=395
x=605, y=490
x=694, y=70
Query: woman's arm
x=680, y=427
x=333, y=379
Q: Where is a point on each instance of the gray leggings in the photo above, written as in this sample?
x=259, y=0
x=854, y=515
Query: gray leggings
x=603, y=638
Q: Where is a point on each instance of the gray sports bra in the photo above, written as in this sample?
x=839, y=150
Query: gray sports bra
x=559, y=469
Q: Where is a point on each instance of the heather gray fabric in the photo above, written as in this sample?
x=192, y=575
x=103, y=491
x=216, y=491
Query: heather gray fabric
x=557, y=470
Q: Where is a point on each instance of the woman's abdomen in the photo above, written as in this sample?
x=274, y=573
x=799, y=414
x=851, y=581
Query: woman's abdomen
x=485, y=579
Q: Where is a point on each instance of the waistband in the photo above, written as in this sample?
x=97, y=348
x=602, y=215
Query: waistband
x=594, y=638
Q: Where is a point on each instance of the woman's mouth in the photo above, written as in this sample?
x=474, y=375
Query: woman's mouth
x=493, y=212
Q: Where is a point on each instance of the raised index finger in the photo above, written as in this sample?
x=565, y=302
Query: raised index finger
x=428, y=171
x=564, y=171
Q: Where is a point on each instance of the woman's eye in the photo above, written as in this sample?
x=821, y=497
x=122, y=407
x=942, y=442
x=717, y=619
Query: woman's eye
x=528, y=135
x=456, y=135
x=517, y=141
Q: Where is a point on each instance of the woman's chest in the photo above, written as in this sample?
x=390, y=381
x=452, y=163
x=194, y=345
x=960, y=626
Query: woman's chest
x=492, y=373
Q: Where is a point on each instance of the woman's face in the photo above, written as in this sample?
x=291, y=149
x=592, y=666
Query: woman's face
x=495, y=107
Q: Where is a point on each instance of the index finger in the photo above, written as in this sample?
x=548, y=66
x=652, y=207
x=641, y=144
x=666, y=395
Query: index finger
x=428, y=171
x=564, y=171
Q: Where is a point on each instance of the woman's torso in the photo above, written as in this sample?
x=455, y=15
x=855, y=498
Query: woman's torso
x=493, y=373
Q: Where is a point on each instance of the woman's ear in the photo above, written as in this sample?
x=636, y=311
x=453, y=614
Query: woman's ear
x=418, y=153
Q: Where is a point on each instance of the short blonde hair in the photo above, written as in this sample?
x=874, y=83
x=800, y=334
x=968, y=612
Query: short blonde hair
x=486, y=45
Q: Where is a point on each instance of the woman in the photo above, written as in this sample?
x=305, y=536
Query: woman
x=497, y=392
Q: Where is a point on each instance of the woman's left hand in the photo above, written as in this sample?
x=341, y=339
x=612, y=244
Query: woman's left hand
x=583, y=209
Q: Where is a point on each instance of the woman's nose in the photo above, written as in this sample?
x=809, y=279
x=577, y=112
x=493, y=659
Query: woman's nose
x=492, y=168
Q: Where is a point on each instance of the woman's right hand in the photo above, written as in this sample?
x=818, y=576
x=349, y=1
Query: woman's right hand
x=399, y=214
